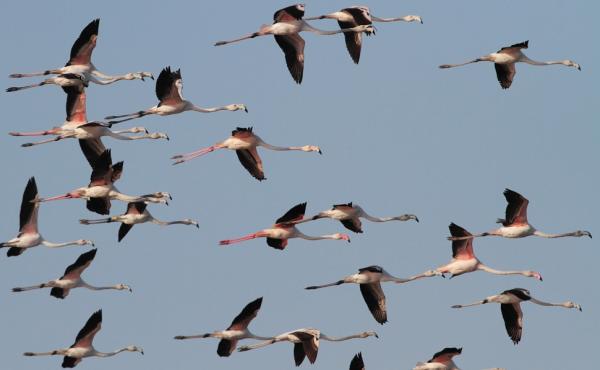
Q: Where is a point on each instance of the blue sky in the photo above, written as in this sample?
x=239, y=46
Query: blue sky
x=398, y=135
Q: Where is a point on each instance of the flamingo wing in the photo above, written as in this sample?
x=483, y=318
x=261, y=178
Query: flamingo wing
x=75, y=270
x=308, y=346
x=277, y=243
x=100, y=206
x=123, y=230
x=242, y=132
x=516, y=210
x=86, y=334
x=70, y=362
x=252, y=163
x=357, y=362
x=60, y=293
x=505, y=74
x=81, y=51
x=249, y=312
x=461, y=249
x=92, y=149
x=444, y=356
x=15, y=251
x=354, y=39
x=76, y=110
x=287, y=14
x=295, y=213
x=299, y=353
x=353, y=224
x=166, y=87
x=29, y=208
x=515, y=47
x=293, y=47
x=513, y=320
x=101, y=169
x=375, y=300
x=226, y=347
x=136, y=208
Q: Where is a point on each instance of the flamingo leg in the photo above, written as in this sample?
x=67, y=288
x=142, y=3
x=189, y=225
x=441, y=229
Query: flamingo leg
x=34, y=133
x=243, y=238
x=180, y=158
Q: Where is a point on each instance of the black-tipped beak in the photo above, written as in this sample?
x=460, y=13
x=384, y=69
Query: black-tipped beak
x=580, y=309
x=320, y=152
x=579, y=68
x=197, y=226
x=416, y=219
x=93, y=245
x=376, y=336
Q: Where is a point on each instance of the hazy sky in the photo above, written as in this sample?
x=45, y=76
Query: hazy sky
x=398, y=136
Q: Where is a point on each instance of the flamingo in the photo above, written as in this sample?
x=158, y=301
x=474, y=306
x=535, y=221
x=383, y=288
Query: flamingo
x=504, y=61
x=306, y=342
x=29, y=235
x=80, y=64
x=464, y=260
x=510, y=305
x=236, y=331
x=136, y=214
x=369, y=279
x=357, y=16
x=245, y=144
x=357, y=362
x=349, y=215
x=286, y=28
x=442, y=360
x=83, y=347
x=101, y=189
x=76, y=125
x=169, y=91
x=71, y=279
x=284, y=229
x=515, y=224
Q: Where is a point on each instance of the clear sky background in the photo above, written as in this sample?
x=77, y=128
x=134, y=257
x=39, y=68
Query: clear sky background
x=398, y=135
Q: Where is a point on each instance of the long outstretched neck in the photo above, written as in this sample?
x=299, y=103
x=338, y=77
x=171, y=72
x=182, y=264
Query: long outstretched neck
x=279, y=148
x=532, y=274
x=320, y=237
x=259, y=234
x=334, y=15
x=263, y=31
x=209, y=110
x=167, y=223
x=406, y=18
x=180, y=158
x=386, y=219
x=525, y=59
x=59, y=245
x=307, y=27
x=258, y=337
x=549, y=304
x=258, y=345
x=340, y=339
x=395, y=279
x=91, y=287
x=110, y=354
x=34, y=74
x=577, y=233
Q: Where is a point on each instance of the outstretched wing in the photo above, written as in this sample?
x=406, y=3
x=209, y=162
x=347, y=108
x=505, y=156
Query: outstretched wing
x=505, y=73
x=295, y=213
x=252, y=163
x=89, y=330
x=513, y=320
x=293, y=47
x=375, y=300
x=75, y=107
x=289, y=13
x=81, y=51
x=516, y=210
x=74, y=270
x=166, y=88
x=461, y=249
x=357, y=362
x=29, y=208
x=354, y=39
x=249, y=312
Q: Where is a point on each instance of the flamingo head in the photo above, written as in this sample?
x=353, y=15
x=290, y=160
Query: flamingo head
x=339, y=236
x=571, y=304
x=534, y=274
x=134, y=349
x=367, y=334
x=124, y=287
x=311, y=148
x=570, y=63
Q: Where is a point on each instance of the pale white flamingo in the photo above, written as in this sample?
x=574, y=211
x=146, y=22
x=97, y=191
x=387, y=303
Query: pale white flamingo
x=358, y=16
x=169, y=91
x=357, y=362
x=77, y=126
x=101, y=189
x=442, y=360
x=306, y=342
x=349, y=215
x=510, y=305
x=369, y=280
x=515, y=224
x=80, y=64
x=245, y=143
x=83, y=347
x=286, y=28
x=284, y=229
x=464, y=260
x=504, y=61
x=71, y=279
x=236, y=331
x=136, y=214
x=29, y=235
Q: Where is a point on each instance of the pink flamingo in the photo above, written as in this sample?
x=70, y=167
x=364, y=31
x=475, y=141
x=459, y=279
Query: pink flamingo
x=29, y=235
x=284, y=229
x=245, y=144
x=79, y=70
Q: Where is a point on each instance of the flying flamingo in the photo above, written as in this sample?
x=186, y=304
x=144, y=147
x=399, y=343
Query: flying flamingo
x=76, y=125
x=510, y=305
x=284, y=229
x=101, y=189
x=442, y=360
x=136, y=214
x=83, y=347
x=504, y=61
x=236, y=331
x=349, y=215
x=369, y=279
x=515, y=224
x=29, y=235
x=286, y=28
x=306, y=342
x=79, y=64
x=464, y=260
x=71, y=279
x=169, y=91
x=357, y=362
x=245, y=144
x=358, y=16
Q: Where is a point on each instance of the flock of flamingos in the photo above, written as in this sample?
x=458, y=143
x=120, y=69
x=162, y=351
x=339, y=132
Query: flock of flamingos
x=75, y=77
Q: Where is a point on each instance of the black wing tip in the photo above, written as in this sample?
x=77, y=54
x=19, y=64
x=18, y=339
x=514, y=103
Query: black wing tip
x=456, y=230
